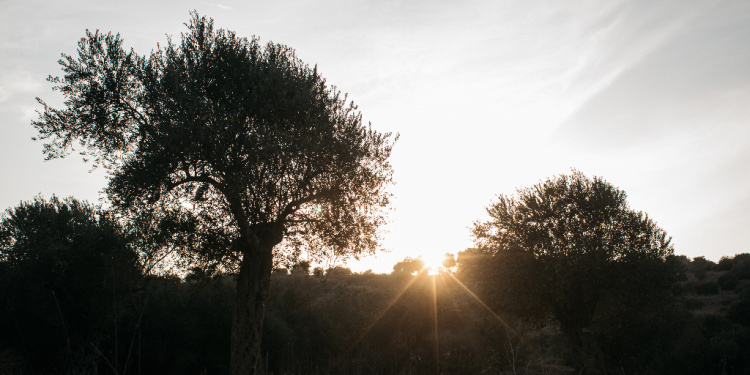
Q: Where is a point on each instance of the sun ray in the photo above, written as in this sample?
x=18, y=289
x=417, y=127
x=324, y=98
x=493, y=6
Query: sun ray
x=380, y=316
x=347, y=353
x=435, y=317
x=468, y=291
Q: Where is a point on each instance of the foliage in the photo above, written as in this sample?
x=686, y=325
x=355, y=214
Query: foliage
x=727, y=281
x=409, y=266
x=247, y=134
x=377, y=324
x=385, y=324
x=708, y=344
x=184, y=326
x=705, y=288
x=741, y=267
x=449, y=261
x=572, y=249
x=725, y=264
x=68, y=270
x=245, y=142
x=701, y=264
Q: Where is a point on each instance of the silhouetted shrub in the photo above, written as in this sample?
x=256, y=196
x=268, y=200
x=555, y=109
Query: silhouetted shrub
x=701, y=264
x=741, y=268
x=727, y=281
x=706, y=288
x=725, y=264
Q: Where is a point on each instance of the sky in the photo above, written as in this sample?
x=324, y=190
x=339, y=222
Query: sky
x=487, y=96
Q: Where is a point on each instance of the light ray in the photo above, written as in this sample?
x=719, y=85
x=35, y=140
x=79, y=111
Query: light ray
x=435, y=317
x=346, y=353
x=380, y=316
x=467, y=290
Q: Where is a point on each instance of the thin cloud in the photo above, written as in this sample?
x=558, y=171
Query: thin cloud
x=220, y=6
x=615, y=49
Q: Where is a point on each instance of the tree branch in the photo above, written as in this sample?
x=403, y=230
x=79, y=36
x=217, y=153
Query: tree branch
x=294, y=205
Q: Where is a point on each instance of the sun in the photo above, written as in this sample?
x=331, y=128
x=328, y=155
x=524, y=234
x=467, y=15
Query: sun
x=433, y=262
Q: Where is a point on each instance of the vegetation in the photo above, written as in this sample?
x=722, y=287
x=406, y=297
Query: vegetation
x=67, y=274
x=246, y=142
x=380, y=324
x=76, y=300
x=228, y=160
x=571, y=249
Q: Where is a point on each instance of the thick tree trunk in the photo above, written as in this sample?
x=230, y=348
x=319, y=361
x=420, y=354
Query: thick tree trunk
x=253, y=282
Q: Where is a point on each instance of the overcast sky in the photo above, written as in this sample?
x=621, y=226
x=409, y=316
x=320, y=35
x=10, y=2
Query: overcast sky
x=488, y=96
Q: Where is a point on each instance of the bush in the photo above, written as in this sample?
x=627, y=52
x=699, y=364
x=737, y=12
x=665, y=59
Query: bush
x=725, y=264
x=741, y=269
x=727, y=281
x=706, y=288
x=701, y=264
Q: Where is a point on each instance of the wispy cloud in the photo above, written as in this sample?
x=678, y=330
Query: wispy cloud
x=220, y=6
x=621, y=44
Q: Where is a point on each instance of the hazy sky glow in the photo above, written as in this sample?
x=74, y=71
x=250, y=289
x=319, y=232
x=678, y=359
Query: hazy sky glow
x=488, y=96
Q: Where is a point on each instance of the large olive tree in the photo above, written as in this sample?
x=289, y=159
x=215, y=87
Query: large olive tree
x=261, y=155
x=570, y=248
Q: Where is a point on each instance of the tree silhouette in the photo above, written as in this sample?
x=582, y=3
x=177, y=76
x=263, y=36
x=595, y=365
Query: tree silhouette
x=67, y=271
x=409, y=265
x=246, y=140
x=570, y=247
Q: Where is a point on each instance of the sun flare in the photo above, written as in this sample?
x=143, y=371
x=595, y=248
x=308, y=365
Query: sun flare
x=433, y=263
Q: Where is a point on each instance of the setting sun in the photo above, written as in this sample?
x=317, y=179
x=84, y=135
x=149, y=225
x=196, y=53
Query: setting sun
x=434, y=263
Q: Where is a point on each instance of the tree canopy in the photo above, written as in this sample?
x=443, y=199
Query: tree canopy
x=242, y=134
x=246, y=140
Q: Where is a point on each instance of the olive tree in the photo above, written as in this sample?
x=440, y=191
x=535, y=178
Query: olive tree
x=245, y=139
x=572, y=249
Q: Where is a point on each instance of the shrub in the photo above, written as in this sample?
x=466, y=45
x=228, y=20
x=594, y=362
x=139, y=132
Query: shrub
x=701, y=264
x=706, y=288
x=741, y=269
x=727, y=281
x=725, y=264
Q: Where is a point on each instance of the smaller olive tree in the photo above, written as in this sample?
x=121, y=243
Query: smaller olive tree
x=572, y=249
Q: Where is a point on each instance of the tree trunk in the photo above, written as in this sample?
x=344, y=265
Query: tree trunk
x=253, y=282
